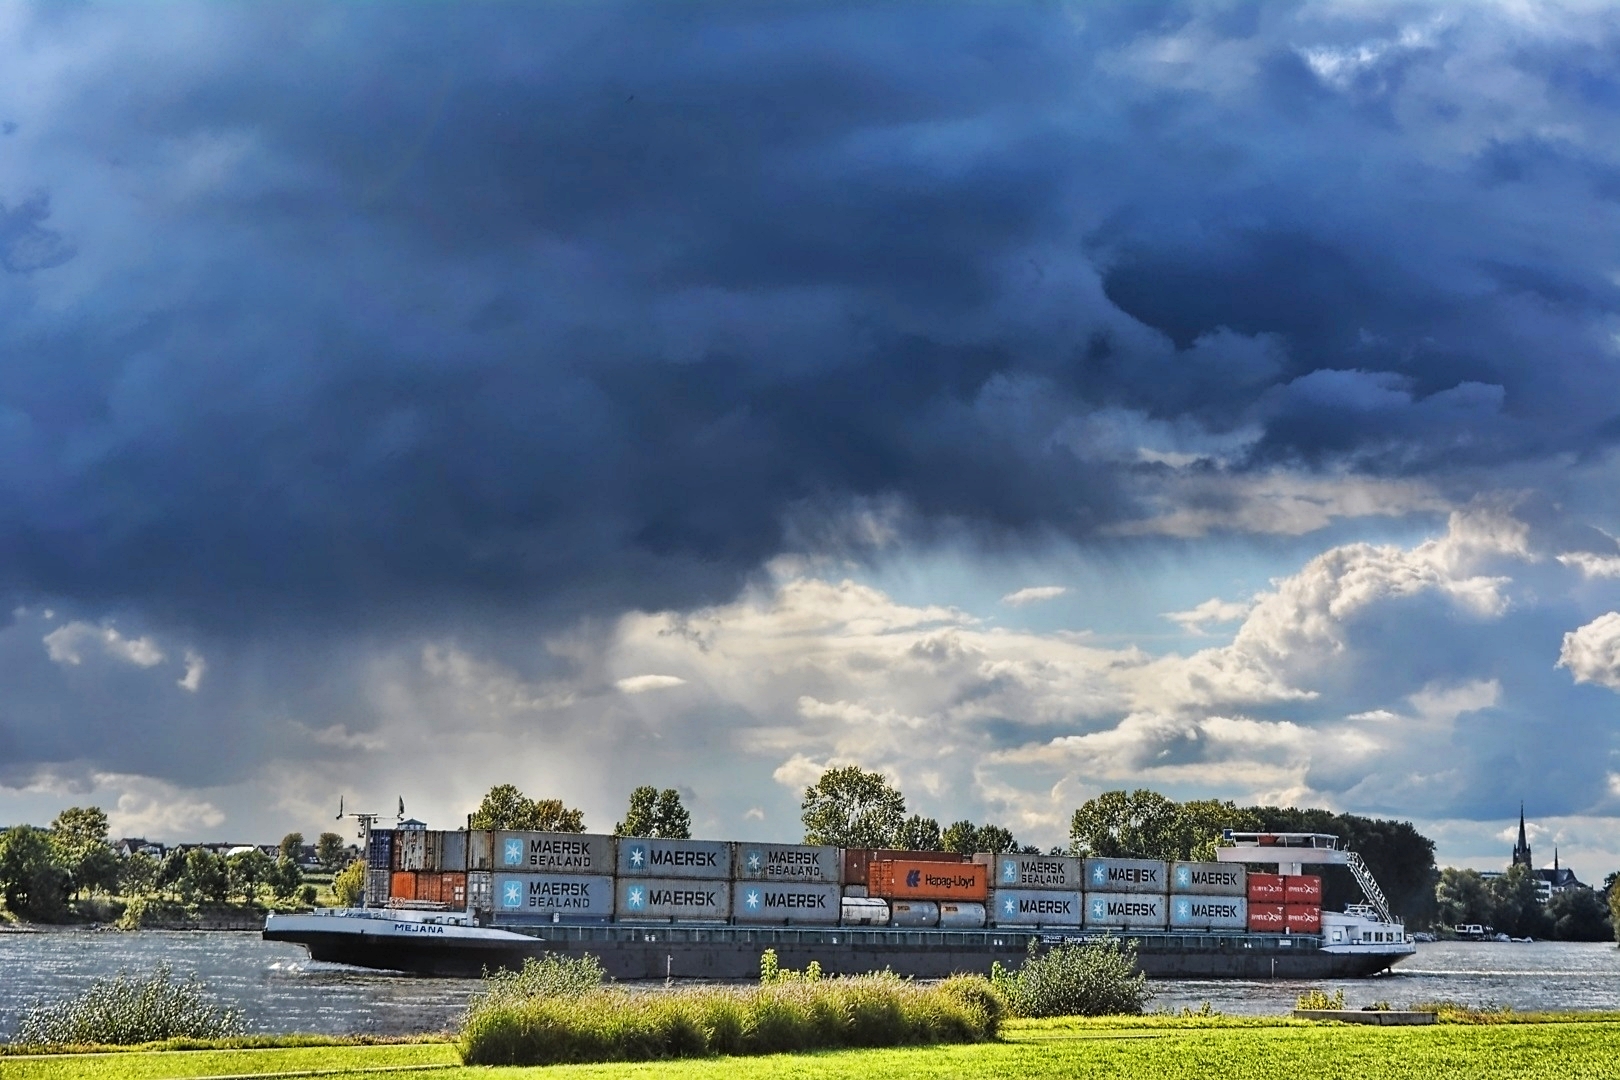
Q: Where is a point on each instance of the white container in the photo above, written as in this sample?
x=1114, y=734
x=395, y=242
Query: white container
x=554, y=853
x=913, y=913
x=1195, y=911
x=1031, y=907
x=863, y=911
x=785, y=903
x=1127, y=875
x=1136, y=911
x=961, y=915
x=787, y=862
x=564, y=895
x=673, y=898
x=1013, y=871
x=708, y=860
x=1209, y=878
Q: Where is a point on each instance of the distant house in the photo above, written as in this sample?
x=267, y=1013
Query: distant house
x=131, y=845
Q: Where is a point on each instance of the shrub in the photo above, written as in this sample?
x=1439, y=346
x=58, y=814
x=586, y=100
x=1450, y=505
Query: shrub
x=550, y=976
x=537, y=1025
x=1316, y=998
x=1092, y=978
x=126, y=1010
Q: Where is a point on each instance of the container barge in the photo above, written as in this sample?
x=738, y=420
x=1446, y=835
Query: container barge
x=652, y=909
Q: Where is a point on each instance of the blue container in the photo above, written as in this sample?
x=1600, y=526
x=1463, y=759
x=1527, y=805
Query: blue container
x=380, y=850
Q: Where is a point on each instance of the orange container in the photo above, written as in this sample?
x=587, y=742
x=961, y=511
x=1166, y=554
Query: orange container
x=1267, y=889
x=1302, y=889
x=402, y=885
x=1267, y=918
x=442, y=887
x=1304, y=919
x=927, y=879
x=856, y=860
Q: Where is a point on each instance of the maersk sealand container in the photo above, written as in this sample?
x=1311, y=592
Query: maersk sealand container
x=1127, y=876
x=1013, y=871
x=707, y=860
x=554, y=853
x=787, y=862
x=563, y=896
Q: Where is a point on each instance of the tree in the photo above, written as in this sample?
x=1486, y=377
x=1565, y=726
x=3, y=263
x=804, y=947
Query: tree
x=850, y=807
x=966, y=838
x=1614, y=905
x=654, y=813
x=285, y=879
x=205, y=878
x=1141, y=824
x=1517, y=904
x=139, y=874
x=1579, y=915
x=349, y=886
x=505, y=807
x=1462, y=897
x=918, y=833
x=292, y=846
x=248, y=870
x=329, y=851
x=172, y=871
x=79, y=836
x=31, y=880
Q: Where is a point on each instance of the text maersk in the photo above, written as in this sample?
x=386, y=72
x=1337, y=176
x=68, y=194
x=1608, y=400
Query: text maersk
x=1214, y=909
x=561, y=854
x=1035, y=872
x=683, y=897
x=1045, y=907
x=1134, y=875
x=1132, y=907
x=795, y=901
x=1213, y=877
x=661, y=857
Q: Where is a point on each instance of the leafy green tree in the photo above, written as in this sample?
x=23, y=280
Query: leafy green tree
x=329, y=851
x=654, y=813
x=172, y=872
x=1140, y=824
x=1462, y=897
x=248, y=870
x=306, y=895
x=966, y=838
x=286, y=878
x=349, y=886
x=30, y=878
x=205, y=877
x=1614, y=905
x=850, y=807
x=918, y=833
x=292, y=845
x=79, y=837
x=139, y=875
x=1579, y=915
x=505, y=807
x=1517, y=904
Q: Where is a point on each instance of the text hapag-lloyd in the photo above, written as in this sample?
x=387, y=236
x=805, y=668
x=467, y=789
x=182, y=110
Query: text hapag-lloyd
x=947, y=881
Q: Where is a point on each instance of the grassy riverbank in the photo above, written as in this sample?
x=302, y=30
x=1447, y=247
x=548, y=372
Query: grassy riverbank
x=1133, y=1049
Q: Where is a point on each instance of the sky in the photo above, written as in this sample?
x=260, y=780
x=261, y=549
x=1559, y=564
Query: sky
x=1025, y=400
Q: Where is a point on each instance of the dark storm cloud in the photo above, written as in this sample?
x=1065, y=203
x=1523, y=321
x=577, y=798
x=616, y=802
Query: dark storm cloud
x=422, y=310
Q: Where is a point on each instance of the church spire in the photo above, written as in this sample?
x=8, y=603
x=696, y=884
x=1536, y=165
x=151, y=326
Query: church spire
x=1521, y=850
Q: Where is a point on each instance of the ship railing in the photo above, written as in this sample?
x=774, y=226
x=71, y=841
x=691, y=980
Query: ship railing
x=1369, y=886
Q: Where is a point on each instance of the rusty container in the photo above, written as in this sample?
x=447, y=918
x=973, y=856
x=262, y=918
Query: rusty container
x=402, y=885
x=480, y=850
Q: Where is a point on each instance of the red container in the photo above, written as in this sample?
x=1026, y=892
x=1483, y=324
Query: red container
x=447, y=887
x=856, y=860
x=1302, y=889
x=402, y=885
x=1267, y=918
x=1266, y=889
x=927, y=879
x=1304, y=919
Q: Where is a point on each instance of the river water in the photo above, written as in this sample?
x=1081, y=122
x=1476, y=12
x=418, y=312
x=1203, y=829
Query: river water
x=281, y=990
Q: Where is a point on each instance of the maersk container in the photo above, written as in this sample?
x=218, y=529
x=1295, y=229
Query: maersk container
x=1208, y=879
x=913, y=913
x=1029, y=907
x=410, y=849
x=453, y=853
x=863, y=911
x=1136, y=911
x=380, y=850
x=1013, y=871
x=1127, y=876
x=788, y=862
x=960, y=916
x=554, y=853
x=565, y=895
x=785, y=902
x=682, y=899
x=1197, y=911
x=707, y=860
x=480, y=850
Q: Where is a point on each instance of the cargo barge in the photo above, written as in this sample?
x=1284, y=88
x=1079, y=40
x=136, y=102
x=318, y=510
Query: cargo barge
x=654, y=909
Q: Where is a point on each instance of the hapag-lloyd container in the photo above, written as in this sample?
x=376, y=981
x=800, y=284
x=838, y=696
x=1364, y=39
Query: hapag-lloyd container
x=856, y=860
x=1303, y=918
x=554, y=853
x=907, y=879
x=1013, y=871
x=1127, y=876
x=1302, y=889
x=673, y=898
x=913, y=913
x=1197, y=911
x=1266, y=889
x=564, y=895
x=708, y=860
x=1208, y=879
x=961, y=916
x=787, y=862
x=1142, y=911
x=1026, y=907
x=1267, y=918
x=789, y=902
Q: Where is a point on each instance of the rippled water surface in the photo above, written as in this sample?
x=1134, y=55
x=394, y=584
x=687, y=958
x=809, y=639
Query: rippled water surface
x=282, y=990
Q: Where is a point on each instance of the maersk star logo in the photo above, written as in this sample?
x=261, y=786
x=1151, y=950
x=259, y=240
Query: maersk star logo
x=636, y=898
x=514, y=852
x=754, y=862
x=1183, y=909
x=1183, y=876
x=1009, y=906
x=1100, y=874
x=1098, y=909
x=638, y=857
x=1009, y=870
x=512, y=894
x=752, y=900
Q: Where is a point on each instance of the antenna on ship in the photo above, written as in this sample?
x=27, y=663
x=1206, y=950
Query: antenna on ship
x=340, y=808
x=401, y=808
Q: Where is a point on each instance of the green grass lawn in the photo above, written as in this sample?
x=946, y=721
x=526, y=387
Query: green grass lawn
x=1126, y=1050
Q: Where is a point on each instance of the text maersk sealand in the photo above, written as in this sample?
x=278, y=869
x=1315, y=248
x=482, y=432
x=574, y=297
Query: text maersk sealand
x=1188, y=920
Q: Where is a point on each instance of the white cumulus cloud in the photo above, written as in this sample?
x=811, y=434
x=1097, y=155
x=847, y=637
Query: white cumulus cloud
x=1034, y=594
x=1592, y=652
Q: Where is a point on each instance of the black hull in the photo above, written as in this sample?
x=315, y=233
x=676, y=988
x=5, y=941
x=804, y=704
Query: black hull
x=730, y=953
